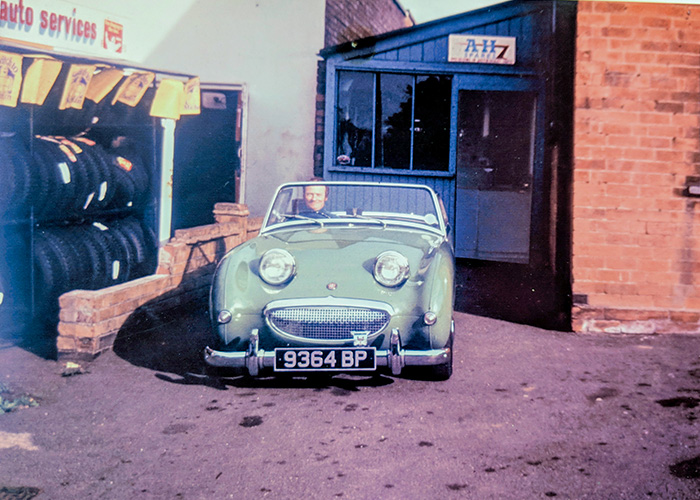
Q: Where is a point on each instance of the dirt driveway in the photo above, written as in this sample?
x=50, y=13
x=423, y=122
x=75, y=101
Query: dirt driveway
x=529, y=413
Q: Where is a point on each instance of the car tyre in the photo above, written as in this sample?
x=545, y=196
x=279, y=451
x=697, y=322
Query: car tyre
x=444, y=371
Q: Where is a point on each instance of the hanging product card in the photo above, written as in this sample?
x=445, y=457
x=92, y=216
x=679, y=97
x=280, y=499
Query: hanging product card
x=133, y=88
x=76, y=86
x=102, y=83
x=192, y=97
x=39, y=79
x=10, y=78
x=169, y=99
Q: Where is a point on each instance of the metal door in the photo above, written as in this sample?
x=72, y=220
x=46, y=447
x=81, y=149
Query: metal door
x=495, y=164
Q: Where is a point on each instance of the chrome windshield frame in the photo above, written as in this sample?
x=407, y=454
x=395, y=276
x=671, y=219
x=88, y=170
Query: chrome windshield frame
x=442, y=224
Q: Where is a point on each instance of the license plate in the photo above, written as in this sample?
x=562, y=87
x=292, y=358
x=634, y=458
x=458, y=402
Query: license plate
x=325, y=359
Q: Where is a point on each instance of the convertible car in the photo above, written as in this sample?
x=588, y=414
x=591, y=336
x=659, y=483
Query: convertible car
x=343, y=277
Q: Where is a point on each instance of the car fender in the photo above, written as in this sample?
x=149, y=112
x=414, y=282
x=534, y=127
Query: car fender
x=439, y=297
x=237, y=290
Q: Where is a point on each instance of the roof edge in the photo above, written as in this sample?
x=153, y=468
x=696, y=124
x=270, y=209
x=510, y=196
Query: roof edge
x=362, y=44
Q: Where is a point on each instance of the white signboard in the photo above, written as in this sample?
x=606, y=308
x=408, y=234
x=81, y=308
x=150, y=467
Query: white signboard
x=55, y=24
x=481, y=49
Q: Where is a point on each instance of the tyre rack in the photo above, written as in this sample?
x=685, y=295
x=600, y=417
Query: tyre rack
x=79, y=211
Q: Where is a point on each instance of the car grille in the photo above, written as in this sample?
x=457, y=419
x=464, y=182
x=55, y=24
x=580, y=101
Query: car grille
x=327, y=322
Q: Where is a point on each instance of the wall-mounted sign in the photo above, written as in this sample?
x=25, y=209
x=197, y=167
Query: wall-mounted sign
x=481, y=49
x=55, y=24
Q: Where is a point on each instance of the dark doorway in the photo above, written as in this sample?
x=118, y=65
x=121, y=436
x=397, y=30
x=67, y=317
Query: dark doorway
x=494, y=167
x=502, y=236
x=207, y=158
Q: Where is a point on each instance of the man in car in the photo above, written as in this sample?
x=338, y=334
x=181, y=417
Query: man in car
x=315, y=197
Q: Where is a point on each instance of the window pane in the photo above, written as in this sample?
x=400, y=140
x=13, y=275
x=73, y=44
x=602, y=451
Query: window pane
x=431, y=134
x=394, y=111
x=495, y=143
x=355, y=105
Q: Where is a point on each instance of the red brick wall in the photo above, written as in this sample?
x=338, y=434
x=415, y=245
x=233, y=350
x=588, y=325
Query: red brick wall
x=636, y=237
x=350, y=20
x=90, y=320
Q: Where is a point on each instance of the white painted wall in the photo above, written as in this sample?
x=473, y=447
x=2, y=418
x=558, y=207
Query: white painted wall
x=271, y=46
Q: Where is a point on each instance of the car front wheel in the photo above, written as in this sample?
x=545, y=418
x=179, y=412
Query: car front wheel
x=444, y=371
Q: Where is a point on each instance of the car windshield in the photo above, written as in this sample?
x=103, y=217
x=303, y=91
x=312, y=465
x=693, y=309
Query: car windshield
x=342, y=203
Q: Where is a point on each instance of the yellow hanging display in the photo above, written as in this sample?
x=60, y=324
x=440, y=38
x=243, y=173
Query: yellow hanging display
x=133, y=88
x=10, y=78
x=40, y=77
x=92, y=81
x=192, y=97
x=102, y=83
x=76, y=86
x=169, y=99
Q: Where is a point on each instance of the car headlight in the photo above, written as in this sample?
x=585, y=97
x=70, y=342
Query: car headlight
x=391, y=268
x=277, y=266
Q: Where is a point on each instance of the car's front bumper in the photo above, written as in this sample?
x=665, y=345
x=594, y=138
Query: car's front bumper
x=396, y=358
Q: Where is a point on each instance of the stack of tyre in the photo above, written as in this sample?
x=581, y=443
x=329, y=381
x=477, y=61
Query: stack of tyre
x=85, y=202
x=13, y=280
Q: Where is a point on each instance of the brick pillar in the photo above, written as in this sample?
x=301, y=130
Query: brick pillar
x=230, y=212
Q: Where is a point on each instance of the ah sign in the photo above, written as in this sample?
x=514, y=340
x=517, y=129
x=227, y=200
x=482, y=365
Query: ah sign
x=481, y=49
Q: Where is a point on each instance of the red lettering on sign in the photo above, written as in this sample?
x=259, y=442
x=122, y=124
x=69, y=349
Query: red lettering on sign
x=16, y=13
x=58, y=23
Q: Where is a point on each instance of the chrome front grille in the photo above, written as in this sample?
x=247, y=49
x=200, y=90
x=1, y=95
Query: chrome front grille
x=319, y=322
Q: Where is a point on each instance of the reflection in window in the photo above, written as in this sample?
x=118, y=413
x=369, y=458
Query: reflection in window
x=395, y=121
x=355, y=111
x=394, y=137
x=431, y=132
x=495, y=144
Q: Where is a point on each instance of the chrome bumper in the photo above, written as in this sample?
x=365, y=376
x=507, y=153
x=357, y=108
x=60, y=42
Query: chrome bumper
x=255, y=359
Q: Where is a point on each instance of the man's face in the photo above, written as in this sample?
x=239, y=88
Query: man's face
x=315, y=197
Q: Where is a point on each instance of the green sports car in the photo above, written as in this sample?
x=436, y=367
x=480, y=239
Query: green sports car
x=343, y=277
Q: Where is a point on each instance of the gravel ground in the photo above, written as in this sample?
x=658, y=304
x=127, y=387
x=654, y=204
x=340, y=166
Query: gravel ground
x=529, y=413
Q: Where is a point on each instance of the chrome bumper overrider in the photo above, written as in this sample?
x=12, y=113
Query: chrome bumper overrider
x=254, y=359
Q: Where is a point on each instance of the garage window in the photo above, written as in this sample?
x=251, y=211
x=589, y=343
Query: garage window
x=393, y=121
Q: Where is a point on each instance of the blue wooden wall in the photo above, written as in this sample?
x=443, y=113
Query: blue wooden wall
x=443, y=186
x=423, y=49
x=524, y=25
x=545, y=32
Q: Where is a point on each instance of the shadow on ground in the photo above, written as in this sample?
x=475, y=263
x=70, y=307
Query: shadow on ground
x=165, y=340
x=512, y=292
x=172, y=342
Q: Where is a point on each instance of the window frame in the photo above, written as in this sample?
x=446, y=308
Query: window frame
x=373, y=169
